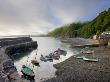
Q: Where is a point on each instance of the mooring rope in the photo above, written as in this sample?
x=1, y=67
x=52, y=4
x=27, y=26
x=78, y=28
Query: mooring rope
x=37, y=66
x=27, y=60
x=35, y=58
x=36, y=54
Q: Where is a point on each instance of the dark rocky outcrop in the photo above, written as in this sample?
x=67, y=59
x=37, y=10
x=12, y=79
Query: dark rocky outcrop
x=12, y=41
x=22, y=47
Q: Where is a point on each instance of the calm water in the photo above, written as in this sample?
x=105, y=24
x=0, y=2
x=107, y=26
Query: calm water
x=46, y=45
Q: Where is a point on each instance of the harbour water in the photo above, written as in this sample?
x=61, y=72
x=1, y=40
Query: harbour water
x=46, y=45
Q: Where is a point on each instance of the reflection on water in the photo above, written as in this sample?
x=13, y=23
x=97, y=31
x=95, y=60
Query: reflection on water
x=19, y=56
x=46, y=45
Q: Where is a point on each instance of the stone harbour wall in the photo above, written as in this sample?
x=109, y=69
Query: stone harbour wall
x=9, y=46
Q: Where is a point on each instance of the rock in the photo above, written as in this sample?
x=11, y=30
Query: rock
x=8, y=67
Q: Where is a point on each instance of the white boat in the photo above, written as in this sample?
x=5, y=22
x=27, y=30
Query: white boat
x=88, y=52
x=79, y=57
x=89, y=59
x=43, y=59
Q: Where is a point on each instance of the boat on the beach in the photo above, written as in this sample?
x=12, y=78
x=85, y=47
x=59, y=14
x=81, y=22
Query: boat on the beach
x=56, y=56
x=35, y=62
x=27, y=73
x=49, y=57
x=88, y=52
x=90, y=59
x=42, y=58
x=62, y=52
x=46, y=58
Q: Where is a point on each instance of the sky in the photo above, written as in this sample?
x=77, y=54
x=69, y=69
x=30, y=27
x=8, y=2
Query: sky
x=41, y=16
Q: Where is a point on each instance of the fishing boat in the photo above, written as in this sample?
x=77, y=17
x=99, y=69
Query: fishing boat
x=88, y=52
x=50, y=59
x=56, y=56
x=35, y=62
x=48, y=56
x=42, y=58
x=91, y=60
x=62, y=52
x=27, y=73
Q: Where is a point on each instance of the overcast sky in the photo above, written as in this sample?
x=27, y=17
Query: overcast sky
x=41, y=16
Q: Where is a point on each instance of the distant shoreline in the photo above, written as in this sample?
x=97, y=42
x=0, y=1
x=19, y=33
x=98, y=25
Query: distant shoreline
x=25, y=36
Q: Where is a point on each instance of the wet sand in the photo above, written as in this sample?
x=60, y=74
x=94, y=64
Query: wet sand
x=78, y=70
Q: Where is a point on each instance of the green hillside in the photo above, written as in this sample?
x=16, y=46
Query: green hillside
x=100, y=24
x=66, y=31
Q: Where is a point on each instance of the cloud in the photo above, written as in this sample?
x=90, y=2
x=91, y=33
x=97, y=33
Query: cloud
x=40, y=16
x=25, y=16
x=75, y=10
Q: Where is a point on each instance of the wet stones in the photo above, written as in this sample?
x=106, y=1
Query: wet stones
x=9, y=67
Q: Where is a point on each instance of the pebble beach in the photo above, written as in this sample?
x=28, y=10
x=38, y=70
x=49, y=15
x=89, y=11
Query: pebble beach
x=78, y=70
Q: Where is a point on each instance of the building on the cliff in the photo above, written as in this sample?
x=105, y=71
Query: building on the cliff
x=103, y=39
x=95, y=37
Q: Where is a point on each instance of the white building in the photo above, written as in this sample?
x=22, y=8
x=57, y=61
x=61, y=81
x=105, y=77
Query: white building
x=105, y=38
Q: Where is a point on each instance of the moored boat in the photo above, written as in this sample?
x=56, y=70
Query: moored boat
x=27, y=73
x=91, y=60
x=50, y=59
x=42, y=58
x=62, y=52
x=56, y=56
x=88, y=52
x=35, y=62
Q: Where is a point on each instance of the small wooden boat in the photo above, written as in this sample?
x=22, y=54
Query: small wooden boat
x=35, y=62
x=79, y=57
x=27, y=73
x=48, y=56
x=62, y=52
x=56, y=56
x=43, y=59
x=88, y=52
x=91, y=60
x=50, y=59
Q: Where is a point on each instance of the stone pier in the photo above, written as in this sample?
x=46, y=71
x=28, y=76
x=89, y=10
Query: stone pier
x=10, y=46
